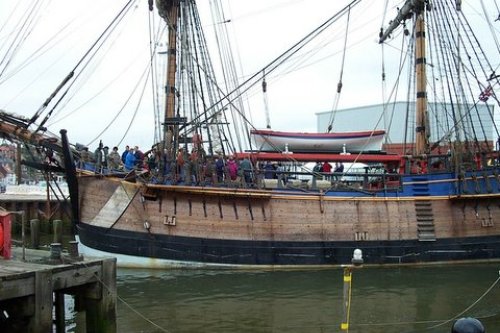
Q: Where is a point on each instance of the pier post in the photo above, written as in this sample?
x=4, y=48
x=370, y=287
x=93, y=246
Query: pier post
x=35, y=233
x=98, y=304
x=80, y=316
x=42, y=319
x=101, y=314
x=55, y=253
x=356, y=262
x=57, y=227
x=25, y=208
x=23, y=234
x=59, y=312
x=344, y=326
x=73, y=251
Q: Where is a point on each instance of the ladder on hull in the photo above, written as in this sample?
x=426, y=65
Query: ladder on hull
x=425, y=221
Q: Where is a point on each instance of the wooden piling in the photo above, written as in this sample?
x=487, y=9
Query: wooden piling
x=57, y=229
x=42, y=318
x=34, y=207
x=101, y=305
x=59, y=309
x=35, y=233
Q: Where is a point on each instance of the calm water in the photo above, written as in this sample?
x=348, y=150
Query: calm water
x=388, y=300
x=383, y=300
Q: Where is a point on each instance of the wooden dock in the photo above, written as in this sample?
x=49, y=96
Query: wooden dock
x=35, y=206
x=32, y=294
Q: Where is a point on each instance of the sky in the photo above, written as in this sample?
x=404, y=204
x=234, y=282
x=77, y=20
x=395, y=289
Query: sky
x=261, y=30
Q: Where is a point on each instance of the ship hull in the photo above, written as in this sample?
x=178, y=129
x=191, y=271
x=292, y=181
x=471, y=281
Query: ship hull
x=139, y=250
x=197, y=226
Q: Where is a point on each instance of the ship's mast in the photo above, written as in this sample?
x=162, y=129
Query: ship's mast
x=172, y=20
x=416, y=7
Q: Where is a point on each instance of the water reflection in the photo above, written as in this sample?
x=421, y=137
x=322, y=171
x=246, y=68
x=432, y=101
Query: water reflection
x=383, y=300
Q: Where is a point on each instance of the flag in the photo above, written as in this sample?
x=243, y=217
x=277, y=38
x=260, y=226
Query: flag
x=484, y=95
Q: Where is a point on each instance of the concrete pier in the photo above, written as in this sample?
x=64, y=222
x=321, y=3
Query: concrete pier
x=32, y=294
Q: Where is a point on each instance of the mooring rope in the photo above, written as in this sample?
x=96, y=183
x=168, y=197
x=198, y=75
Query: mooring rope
x=471, y=306
x=127, y=304
x=441, y=322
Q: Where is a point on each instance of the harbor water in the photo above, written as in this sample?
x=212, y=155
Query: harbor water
x=389, y=300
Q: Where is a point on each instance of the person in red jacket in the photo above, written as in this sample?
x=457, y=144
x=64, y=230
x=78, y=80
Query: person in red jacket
x=327, y=167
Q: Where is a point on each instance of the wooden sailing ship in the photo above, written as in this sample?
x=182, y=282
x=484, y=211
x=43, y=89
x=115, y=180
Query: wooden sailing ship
x=419, y=206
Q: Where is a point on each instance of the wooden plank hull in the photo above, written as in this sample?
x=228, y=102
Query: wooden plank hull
x=251, y=227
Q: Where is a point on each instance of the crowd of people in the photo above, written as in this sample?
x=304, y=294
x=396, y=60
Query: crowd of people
x=326, y=167
x=194, y=167
x=102, y=158
x=186, y=167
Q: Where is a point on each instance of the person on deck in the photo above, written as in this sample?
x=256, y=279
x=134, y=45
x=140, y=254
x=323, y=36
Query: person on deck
x=232, y=168
x=114, y=159
x=246, y=167
x=318, y=167
x=209, y=171
x=219, y=168
x=269, y=170
x=85, y=156
x=98, y=156
x=124, y=154
x=152, y=159
x=195, y=158
x=180, y=161
x=105, y=154
x=327, y=167
x=139, y=157
x=339, y=168
x=130, y=160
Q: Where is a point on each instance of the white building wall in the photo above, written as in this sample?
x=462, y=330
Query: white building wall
x=392, y=117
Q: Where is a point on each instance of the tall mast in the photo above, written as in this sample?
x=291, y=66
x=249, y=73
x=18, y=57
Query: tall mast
x=169, y=10
x=173, y=14
x=416, y=7
x=421, y=137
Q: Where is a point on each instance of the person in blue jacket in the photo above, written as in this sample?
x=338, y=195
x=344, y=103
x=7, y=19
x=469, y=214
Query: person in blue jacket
x=130, y=160
x=124, y=154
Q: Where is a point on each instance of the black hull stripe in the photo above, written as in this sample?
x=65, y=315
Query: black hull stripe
x=234, y=252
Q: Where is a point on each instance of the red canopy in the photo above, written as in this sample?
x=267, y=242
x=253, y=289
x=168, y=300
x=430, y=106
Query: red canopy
x=314, y=157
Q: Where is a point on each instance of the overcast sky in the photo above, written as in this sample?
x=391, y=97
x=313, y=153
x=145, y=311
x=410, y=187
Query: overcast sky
x=65, y=29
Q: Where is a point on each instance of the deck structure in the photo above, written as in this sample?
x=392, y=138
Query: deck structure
x=32, y=295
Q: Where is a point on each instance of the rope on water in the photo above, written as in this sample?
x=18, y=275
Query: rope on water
x=471, y=306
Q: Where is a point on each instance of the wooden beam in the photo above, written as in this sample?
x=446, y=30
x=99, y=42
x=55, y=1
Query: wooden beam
x=42, y=320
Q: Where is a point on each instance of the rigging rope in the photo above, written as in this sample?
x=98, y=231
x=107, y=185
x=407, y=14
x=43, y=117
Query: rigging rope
x=384, y=85
x=154, y=70
x=145, y=74
x=465, y=122
x=230, y=72
x=22, y=33
x=250, y=82
x=470, y=306
x=87, y=64
x=111, y=26
x=490, y=25
x=339, y=85
x=246, y=85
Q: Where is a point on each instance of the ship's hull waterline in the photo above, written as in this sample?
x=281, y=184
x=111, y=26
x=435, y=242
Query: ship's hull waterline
x=196, y=226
